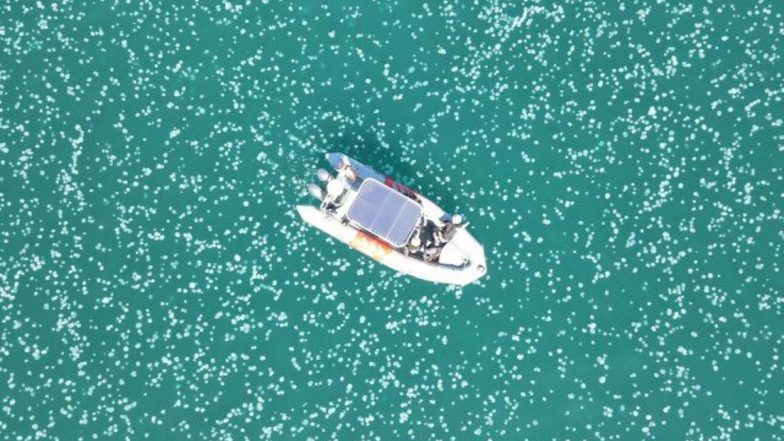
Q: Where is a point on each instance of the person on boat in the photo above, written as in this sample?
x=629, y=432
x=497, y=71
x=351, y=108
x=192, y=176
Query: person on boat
x=337, y=187
x=415, y=244
x=450, y=228
x=347, y=170
x=431, y=246
x=334, y=193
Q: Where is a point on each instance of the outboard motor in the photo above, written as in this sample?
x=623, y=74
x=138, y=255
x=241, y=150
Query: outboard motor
x=323, y=175
x=315, y=191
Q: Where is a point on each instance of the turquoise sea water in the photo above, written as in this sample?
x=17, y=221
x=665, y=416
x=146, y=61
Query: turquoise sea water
x=622, y=163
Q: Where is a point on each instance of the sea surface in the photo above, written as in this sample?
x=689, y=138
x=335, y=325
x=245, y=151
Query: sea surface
x=621, y=162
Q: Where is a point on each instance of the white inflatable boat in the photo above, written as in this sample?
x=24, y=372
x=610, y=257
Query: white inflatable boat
x=393, y=224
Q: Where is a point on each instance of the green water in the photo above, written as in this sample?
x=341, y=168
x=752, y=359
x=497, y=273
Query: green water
x=621, y=163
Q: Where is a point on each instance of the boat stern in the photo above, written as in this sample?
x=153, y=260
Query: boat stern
x=335, y=159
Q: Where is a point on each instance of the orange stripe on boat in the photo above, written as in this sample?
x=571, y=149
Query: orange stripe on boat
x=370, y=246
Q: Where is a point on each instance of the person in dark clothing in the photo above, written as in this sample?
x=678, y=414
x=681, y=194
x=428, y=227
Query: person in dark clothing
x=451, y=227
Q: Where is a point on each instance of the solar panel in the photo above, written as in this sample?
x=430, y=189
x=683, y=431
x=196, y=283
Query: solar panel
x=384, y=212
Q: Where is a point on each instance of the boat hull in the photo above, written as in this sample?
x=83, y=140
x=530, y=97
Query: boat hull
x=462, y=260
x=372, y=247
